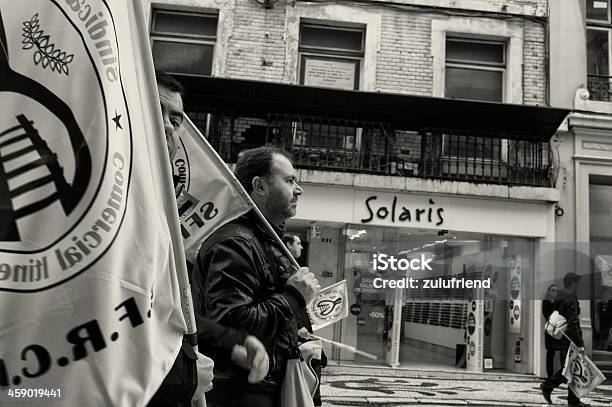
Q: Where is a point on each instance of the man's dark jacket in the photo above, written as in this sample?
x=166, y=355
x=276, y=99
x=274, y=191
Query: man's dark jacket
x=181, y=382
x=568, y=306
x=239, y=281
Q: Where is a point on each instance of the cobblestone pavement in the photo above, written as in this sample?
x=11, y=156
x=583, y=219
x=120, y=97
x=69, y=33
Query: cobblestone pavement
x=354, y=386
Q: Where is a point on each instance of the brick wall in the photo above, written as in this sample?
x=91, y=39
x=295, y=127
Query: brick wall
x=534, y=65
x=256, y=48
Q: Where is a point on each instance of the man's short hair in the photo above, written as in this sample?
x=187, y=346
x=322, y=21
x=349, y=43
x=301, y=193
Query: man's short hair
x=256, y=162
x=569, y=279
x=166, y=80
x=289, y=238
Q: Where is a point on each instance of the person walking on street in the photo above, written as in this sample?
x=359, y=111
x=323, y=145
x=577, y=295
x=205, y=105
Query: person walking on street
x=243, y=278
x=552, y=345
x=569, y=308
x=191, y=374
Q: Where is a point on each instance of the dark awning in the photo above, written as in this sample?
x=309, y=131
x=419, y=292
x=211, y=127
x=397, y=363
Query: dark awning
x=403, y=112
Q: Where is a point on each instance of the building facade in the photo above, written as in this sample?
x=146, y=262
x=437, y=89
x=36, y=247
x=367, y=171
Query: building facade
x=417, y=126
x=580, y=81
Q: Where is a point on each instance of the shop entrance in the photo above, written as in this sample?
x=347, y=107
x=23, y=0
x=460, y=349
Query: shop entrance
x=435, y=328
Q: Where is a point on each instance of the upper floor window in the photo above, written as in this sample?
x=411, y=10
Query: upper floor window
x=598, y=10
x=475, y=69
x=183, y=42
x=599, y=27
x=331, y=55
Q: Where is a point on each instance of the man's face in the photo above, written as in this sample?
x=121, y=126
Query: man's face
x=295, y=248
x=283, y=190
x=172, y=113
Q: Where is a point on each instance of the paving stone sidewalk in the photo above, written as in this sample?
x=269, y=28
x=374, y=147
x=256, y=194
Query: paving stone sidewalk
x=356, y=386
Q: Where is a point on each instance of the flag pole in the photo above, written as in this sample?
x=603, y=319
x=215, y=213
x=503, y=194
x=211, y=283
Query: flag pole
x=238, y=186
x=168, y=193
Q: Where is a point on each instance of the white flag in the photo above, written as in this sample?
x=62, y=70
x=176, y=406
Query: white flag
x=210, y=194
x=90, y=301
x=603, y=265
x=329, y=306
x=582, y=374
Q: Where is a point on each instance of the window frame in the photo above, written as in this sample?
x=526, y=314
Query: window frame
x=609, y=20
x=156, y=35
x=357, y=57
x=608, y=30
x=478, y=65
x=331, y=53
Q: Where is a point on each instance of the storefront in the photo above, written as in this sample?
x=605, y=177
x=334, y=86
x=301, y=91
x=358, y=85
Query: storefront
x=432, y=325
x=467, y=181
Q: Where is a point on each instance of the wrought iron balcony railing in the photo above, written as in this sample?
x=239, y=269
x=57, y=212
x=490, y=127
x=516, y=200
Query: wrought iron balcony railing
x=376, y=148
x=599, y=87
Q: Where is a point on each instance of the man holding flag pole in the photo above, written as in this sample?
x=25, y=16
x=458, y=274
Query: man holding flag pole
x=223, y=343
x=245, y=277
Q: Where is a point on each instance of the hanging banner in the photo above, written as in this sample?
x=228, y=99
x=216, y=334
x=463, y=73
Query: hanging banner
x=475, y=335
x=395, y=334
x=91, y=305
x=514, y=285
x=330, y=306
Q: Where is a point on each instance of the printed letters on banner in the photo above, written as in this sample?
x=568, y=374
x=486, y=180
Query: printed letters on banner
x=89, y=294
x=210, y=196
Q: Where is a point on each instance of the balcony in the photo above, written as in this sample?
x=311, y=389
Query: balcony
x=377, y=148
x=378, y=133
x=599, y=87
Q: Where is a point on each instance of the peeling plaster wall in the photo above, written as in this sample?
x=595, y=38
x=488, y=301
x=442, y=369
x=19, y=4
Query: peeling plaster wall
x=262, y=44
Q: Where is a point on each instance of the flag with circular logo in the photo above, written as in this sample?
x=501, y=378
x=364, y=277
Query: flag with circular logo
x=582, y=374
x=90, y=302
x=329, y=306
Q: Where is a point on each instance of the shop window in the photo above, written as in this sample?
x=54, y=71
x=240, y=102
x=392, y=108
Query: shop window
x=475, y=69
x=600, y=248
x=183, y=42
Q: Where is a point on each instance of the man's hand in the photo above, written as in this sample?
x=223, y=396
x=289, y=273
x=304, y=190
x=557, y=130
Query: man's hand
x=306, y=283
x=205, y=367
x=253, y=357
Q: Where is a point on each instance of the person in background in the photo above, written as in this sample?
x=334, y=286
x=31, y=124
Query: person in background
x=319, y=359
x=569, y=308
x=191, y=374
x=552, y=345
x=294, y=244
x=244, y=279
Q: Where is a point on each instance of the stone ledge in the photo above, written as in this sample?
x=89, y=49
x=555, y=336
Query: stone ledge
x=423, y=185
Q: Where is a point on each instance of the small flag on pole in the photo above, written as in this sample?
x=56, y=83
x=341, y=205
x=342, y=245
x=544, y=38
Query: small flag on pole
x=582, y=374
x=329, y=306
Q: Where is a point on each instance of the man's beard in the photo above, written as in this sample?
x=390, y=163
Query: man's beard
x=286, y=210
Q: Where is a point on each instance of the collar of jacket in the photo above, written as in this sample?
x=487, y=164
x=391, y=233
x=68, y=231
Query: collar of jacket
x=251, y=218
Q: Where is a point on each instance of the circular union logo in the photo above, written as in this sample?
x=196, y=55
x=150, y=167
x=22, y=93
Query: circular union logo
x=65, y=142
x=328, y=305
